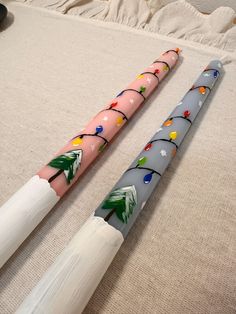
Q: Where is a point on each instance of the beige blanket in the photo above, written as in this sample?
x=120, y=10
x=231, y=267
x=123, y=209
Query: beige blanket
x=178, y=19
x=56, y=73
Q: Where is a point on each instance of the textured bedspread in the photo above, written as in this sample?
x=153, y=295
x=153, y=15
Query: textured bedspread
x=178, y=19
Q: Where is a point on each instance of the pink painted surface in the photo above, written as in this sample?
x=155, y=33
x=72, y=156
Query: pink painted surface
x=111, y=121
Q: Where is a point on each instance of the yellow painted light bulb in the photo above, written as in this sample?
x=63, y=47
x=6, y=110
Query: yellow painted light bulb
x=77, y=141
x=140, y=76
x=165, y=68
x=173, y=135
x=119, y=121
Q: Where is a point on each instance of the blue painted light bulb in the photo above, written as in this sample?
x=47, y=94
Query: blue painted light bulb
x=147, y=178
x=99, y=129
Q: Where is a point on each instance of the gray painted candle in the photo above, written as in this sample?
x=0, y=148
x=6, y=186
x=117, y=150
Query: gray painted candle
x=129, y=195
x=72, y=279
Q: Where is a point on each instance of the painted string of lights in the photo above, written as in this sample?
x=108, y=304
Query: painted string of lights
x=70, y=162
x=78, y=139
x=38, y=196
x=172, y=135
x=157, y=154
x=113, y=106
x=72, y=279
x=65, y=161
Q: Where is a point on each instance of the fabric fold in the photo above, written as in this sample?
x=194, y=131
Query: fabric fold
x=177, y=19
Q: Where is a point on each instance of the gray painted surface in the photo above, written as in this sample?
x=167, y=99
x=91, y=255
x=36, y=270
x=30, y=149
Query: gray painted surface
x=192, y=101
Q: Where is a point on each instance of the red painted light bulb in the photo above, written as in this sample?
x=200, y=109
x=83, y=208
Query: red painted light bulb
x=186, y=113
x=114, y=104
x=148, y=147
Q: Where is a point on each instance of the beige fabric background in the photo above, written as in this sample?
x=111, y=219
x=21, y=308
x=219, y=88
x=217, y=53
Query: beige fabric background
x=56, y=73
x=178, y=19
x=205, y=6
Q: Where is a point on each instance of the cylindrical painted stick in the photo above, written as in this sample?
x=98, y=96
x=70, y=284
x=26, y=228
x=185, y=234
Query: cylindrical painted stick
x=27, y=207
x=72, y=279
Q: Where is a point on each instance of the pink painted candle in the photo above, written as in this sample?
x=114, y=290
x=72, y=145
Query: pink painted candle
x=29, y=205
x=87, y=145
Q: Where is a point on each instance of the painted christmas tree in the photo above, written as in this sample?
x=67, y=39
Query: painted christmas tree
x=122, y=202
x=68, y=163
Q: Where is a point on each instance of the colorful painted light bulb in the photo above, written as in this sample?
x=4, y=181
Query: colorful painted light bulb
x=165, y=68
x=168, y=122
x=148, y=147
x=140, y=76
x=142, y=89
x=186, y=113
x=173, y=135
x=77, y=141
x=99, y=129
x=147, y=178
x=119, y=121
x=202, y=90
x=142, y=161
x=114, y=104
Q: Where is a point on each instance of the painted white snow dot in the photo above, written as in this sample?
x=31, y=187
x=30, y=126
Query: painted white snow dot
x=163, y=153
x=200, y=103
x=131, y=101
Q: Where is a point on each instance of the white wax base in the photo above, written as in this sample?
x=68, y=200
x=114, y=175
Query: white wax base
x=22, y=213
x=71, y=280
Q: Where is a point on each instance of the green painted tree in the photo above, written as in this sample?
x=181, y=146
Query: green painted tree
x=68, y=163
x=122, y=202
